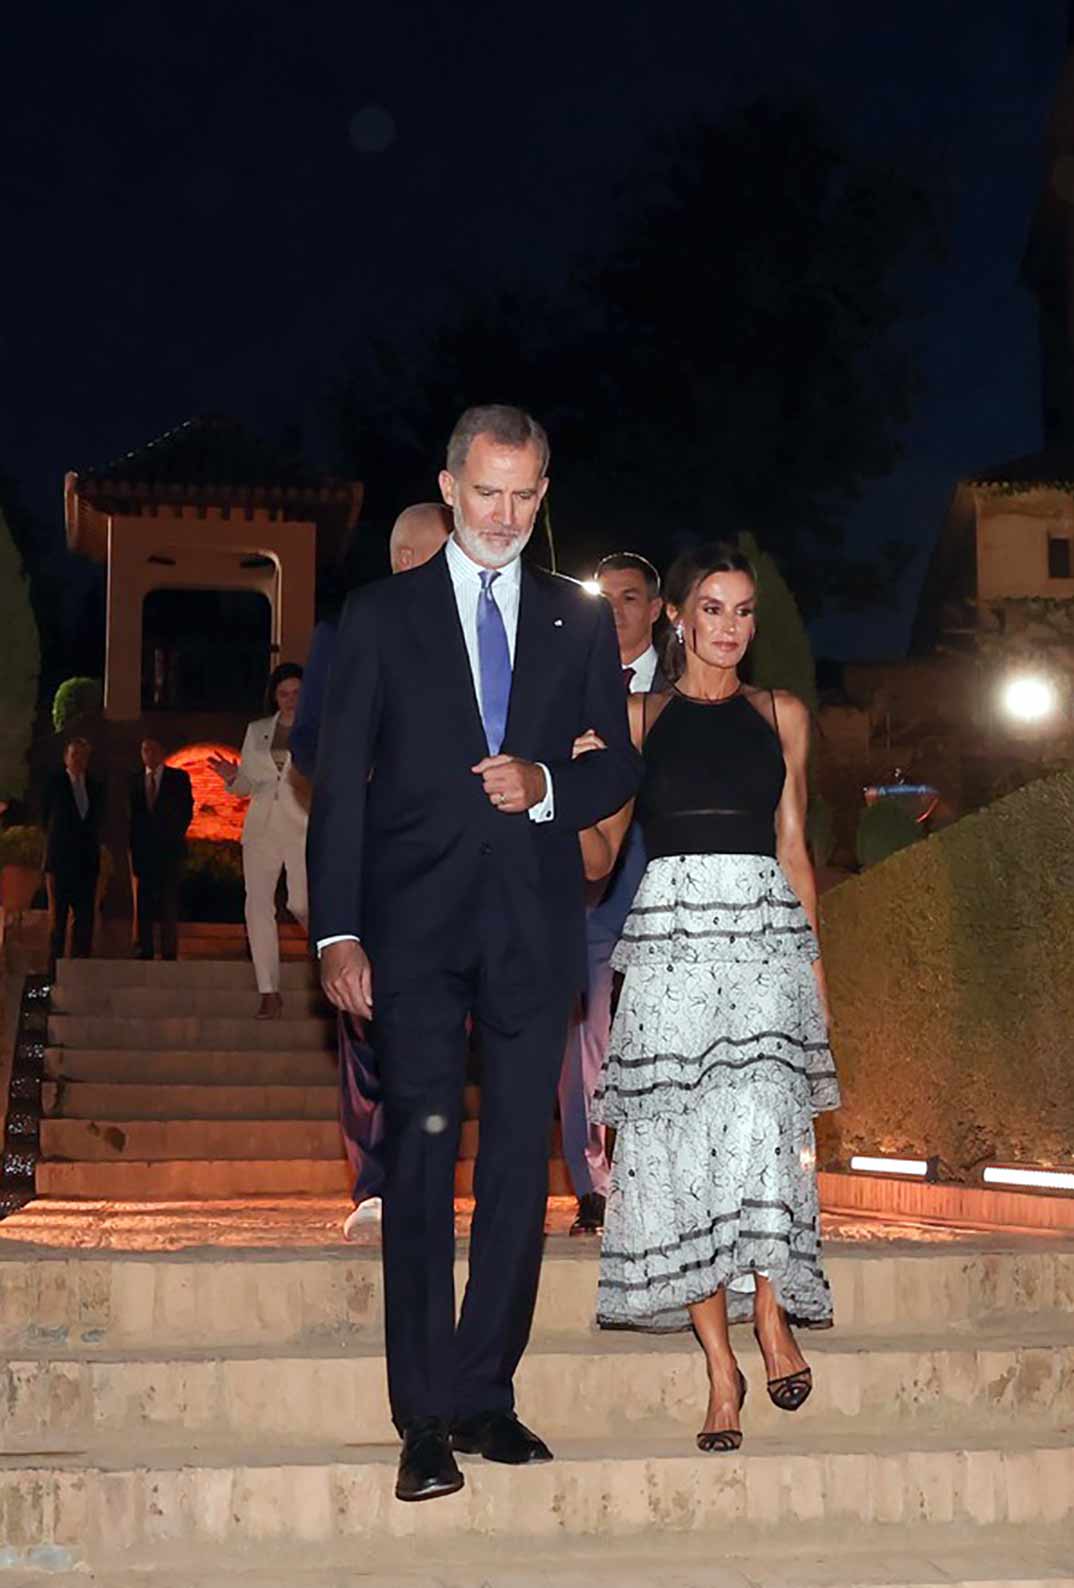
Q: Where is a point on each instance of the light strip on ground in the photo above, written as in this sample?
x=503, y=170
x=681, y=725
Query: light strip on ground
x=918, y=1166
x=1038, y=1179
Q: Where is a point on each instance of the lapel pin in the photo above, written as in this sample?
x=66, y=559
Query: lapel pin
x=558, y=623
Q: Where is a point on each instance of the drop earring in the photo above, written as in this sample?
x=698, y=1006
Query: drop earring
x=680, y=634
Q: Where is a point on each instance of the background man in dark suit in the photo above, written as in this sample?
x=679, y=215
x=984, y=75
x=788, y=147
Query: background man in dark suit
x=73, y=810
x=161, y=810
x=444, y=836
x=631, y=585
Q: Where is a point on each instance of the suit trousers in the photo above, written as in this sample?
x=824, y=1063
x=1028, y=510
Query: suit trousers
x=263, y=858
x=435, y=1368
x=156, y=900
x=585, y=1143
x=72, y=892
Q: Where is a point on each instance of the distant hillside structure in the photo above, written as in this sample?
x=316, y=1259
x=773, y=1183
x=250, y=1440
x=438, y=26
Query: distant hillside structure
x=205, y=509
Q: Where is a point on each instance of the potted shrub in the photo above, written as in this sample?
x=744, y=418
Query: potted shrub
x=22, y=851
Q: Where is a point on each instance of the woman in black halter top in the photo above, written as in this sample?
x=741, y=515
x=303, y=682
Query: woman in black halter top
x=718, y=1058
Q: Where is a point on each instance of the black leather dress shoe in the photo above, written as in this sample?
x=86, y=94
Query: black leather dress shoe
x=590, y=1220
x=427, y=1468
x=498, y=1436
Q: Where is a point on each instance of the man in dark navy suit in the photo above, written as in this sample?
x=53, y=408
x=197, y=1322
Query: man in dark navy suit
x=73, y=811
x=161, y=808
x=447, y=884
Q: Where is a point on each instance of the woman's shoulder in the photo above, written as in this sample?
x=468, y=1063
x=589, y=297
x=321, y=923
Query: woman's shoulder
x=790, y=707
x=261, y=725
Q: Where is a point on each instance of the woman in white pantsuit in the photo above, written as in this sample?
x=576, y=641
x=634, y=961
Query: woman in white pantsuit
x=274, y=832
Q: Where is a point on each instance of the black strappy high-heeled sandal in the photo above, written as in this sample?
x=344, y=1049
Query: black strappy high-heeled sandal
x=725, y=1439
x=791, y=1392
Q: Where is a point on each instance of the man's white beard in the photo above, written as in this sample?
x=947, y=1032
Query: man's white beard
x=488, y=553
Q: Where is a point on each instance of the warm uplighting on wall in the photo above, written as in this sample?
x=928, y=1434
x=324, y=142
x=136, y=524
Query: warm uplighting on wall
x=591, y=587
x=1029, y=697
x=1026, y=1179
x=217, y=814
x=921, y=1168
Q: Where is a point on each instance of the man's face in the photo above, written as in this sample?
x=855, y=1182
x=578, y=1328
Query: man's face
x=152, y=754
x=634, y=609
x=76, y=759
x=494, y=500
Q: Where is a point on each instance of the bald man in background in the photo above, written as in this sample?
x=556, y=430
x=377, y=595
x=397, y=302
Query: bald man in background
x=417, y=534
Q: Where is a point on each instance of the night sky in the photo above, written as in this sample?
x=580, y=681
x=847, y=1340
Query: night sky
x=209, y=207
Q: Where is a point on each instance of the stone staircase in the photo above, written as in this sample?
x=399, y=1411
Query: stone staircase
x=161, y=1085
x=212, y=1418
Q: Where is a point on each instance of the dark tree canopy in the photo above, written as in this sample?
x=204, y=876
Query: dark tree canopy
x=733, y=364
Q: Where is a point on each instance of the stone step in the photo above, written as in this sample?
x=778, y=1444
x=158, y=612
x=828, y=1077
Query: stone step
x=224, y=1179
x=151, y=1504
x=194, y=1067
x=192, y=1180
x=150, y=1140
x=107, y=1031
x=80, y=974
x=603, y=1386
x=995, y=1557
x=82, y=1138
x=97, y=1100
x=162, y=1003
x=223, y=932
x=259, y=1299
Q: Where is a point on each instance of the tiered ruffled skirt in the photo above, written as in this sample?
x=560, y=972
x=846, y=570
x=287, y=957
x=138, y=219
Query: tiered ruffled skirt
x=718, y=1062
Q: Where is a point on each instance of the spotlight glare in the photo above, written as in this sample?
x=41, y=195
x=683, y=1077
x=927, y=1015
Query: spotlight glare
x=1037, y=1179
x=865, y=1165
x=1029, y=698
x=591, y=587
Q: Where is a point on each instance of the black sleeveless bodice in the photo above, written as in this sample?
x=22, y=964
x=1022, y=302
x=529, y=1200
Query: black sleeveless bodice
x=713, y=777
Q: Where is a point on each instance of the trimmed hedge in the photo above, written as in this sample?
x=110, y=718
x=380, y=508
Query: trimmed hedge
x=75, y=697
x=949, y=970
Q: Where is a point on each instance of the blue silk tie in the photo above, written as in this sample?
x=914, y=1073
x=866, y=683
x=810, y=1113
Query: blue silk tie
x=494, y=659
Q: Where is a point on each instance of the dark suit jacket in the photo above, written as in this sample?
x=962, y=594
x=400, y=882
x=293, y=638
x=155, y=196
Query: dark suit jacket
x=72, y=842
x=606, y=918
x=401, y=827
x=158, y=836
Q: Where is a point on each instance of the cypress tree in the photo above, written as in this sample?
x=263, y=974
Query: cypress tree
x=781, y=656
x=21, y=668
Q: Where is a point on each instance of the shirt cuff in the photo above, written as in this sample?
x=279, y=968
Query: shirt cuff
x=546, y=810
x=343, y=937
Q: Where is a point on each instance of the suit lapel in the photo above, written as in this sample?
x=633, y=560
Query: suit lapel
x=437, y=622
x=530, y=673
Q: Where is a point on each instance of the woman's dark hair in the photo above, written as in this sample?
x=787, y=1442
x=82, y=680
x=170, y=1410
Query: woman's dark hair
x=690, y=569
x=278, y=676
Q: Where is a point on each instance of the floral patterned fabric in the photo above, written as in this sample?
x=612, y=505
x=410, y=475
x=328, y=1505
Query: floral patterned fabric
x=717, y=1062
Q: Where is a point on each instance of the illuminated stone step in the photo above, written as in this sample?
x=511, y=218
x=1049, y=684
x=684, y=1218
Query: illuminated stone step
x=590, y=1387
x=283, y=1296
x=193, y=1067
x=161, y=1101
x=188, y=1032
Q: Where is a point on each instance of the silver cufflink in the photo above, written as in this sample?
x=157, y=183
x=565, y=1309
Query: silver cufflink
x=558, y=623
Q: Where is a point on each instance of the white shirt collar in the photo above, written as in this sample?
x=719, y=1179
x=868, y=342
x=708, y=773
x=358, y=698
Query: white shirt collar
x=464, y=567
x=644, y=670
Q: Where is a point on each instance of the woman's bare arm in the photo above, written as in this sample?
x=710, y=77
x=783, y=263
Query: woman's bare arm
x=601, y=844
x=792, y=850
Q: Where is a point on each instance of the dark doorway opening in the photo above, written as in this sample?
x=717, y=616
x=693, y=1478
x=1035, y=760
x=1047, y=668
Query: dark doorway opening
x=205, y=650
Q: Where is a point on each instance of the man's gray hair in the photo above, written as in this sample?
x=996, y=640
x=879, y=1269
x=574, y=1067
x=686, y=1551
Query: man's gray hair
x=507, y=426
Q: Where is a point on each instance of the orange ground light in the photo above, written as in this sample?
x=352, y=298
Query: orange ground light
x=217, y=814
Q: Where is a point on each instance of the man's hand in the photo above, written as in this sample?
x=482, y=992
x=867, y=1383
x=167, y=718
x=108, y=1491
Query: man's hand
x=347, y=978
x=510, y=784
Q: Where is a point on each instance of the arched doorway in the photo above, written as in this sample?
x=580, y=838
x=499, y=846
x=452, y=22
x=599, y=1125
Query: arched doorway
x=205, y=650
